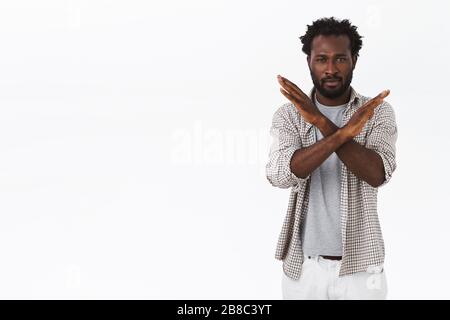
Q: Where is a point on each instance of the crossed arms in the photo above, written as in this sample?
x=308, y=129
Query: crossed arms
x=374, y=163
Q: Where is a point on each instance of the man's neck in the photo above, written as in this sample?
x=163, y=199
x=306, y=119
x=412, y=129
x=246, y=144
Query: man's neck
x=338, y=101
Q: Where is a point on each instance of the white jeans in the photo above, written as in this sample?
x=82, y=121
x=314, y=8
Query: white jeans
x=319, y=280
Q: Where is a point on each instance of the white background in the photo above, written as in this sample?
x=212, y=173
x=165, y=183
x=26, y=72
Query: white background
x=134, y=135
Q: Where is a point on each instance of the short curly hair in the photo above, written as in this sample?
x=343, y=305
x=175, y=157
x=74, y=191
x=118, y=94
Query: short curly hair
x=331, y=26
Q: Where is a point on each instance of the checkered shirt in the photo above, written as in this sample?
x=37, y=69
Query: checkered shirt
x=362, y=240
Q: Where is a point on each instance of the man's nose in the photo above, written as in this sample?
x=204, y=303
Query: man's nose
x=331, y=68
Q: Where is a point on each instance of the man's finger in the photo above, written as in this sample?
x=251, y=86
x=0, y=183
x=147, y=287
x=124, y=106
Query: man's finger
x=286, y=94
x=290, y=97
x=374, y=102
x=379, y=98
x=291, y=87
x=292, y=93
x=291, y=90
x=383, y=94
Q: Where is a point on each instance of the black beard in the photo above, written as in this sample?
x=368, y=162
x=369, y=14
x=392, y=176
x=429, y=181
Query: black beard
x=331, y=94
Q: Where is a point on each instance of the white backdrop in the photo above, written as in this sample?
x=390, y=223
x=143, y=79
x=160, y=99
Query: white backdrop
x=134, y=136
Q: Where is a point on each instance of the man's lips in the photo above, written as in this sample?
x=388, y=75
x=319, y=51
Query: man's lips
x=331, y=83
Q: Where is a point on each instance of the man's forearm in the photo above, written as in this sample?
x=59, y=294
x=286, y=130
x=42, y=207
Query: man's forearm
x=306, y=160
x=364, y=163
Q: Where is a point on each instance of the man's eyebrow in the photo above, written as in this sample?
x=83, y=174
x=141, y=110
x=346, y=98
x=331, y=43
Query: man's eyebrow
x=326, y=55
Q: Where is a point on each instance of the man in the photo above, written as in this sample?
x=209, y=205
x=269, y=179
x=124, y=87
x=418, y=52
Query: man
x=333, y=148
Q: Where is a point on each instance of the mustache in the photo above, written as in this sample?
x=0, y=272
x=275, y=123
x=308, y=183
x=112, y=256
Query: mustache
x=331, y=79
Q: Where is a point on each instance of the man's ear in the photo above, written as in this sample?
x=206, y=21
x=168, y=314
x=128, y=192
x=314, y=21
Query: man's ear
x=354, y=59
x=308, y=59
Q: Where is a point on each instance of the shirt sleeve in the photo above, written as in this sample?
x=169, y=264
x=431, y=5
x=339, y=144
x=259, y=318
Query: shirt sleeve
x=285, y=141
x=382, y=138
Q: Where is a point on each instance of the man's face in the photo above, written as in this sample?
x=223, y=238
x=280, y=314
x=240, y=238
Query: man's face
x=331, y=65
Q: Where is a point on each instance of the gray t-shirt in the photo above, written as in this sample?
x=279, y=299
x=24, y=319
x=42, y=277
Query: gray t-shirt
x=321, y=232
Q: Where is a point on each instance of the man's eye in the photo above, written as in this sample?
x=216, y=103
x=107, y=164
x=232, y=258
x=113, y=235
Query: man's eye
x=341, y=59
x=320, y=59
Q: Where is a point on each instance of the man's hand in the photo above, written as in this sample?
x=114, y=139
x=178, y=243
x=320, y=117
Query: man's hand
x=300, y=100
x=362, y=115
